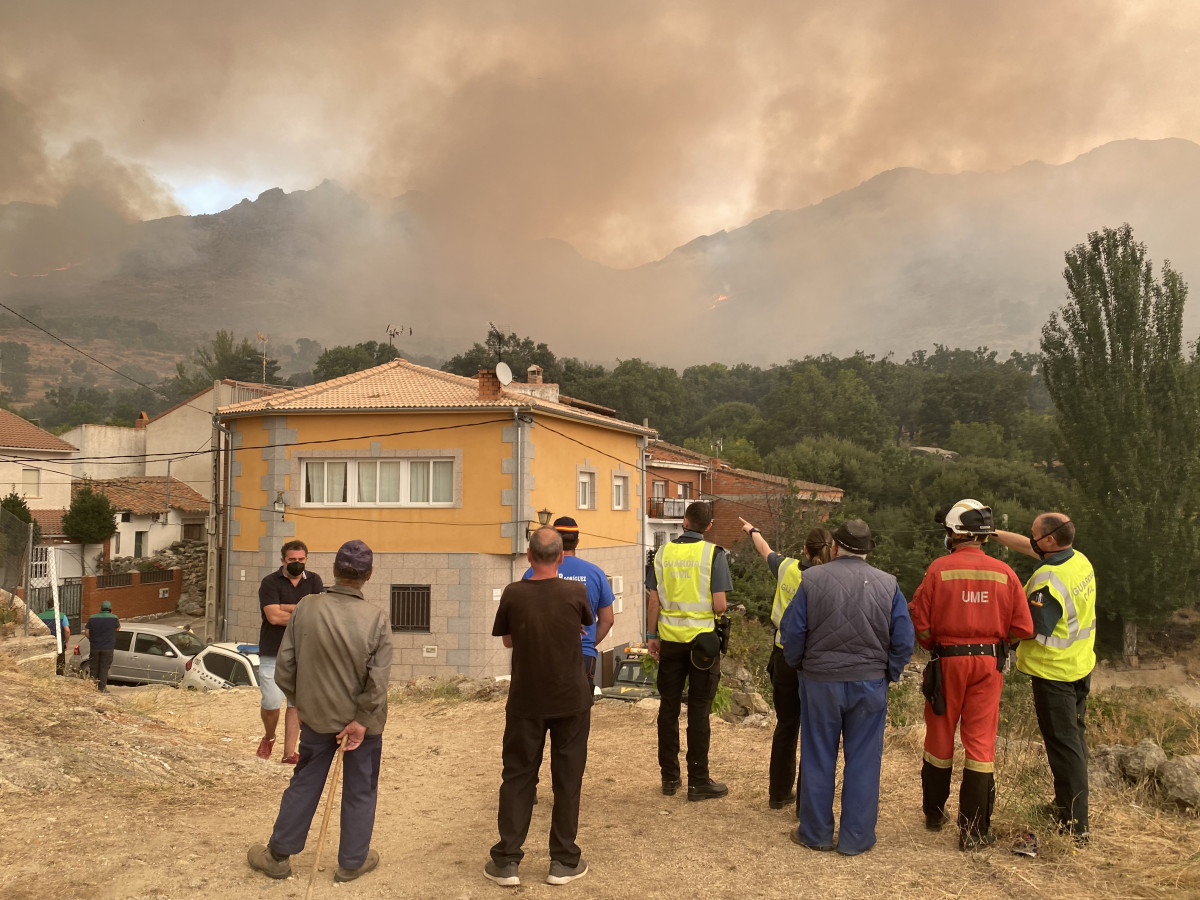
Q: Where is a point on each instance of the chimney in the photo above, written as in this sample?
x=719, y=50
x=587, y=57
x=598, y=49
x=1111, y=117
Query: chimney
x=489, y=385
x=141, y=420
x=535, y=374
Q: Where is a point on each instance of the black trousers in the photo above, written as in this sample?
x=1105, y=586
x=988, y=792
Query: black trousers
x=100, y=662
x=674, y=669
x=524, y=743
x=360, y=789
x=1060, y=707
x=785, y=693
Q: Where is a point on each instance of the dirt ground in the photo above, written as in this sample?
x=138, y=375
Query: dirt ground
x=156, y=793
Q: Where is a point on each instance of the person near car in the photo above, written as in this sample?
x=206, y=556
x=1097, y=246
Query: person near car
x=600, y=595
x=540, y=619
x=784, y=775
x=334, y=664
x=278, y=595
x=101, y=632
x=965, y=611
x=684, y=596
x=57, y=626
x=848, y=631
x=1060, y=656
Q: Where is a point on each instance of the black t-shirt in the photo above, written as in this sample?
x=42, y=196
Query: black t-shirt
x=543, y=617
x=278, y=588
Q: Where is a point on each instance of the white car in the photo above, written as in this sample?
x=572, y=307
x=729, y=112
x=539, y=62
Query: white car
x=222, y=665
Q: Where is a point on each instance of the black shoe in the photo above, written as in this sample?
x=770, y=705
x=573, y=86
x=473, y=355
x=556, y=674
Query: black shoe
x=784, y=803
x=707, y=790
x=935, y=821
x=975, y=840
x=794, y=834
x=670, y=786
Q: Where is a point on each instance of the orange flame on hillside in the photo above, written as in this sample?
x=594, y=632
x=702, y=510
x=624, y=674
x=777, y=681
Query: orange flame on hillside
x=70, y=265
x=720, y=299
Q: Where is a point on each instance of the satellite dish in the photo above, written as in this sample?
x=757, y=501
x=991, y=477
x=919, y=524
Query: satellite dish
x=503, y=373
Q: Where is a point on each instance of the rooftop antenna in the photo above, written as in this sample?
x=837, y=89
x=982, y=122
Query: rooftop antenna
x=402, y=331
x=263, y=337
x=497, y=339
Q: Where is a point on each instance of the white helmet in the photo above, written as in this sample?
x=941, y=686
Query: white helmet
x=970, y=517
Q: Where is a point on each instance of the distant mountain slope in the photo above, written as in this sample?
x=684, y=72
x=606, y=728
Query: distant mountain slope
x=901, y=262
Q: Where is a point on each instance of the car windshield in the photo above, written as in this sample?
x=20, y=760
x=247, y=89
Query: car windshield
x=187, y=643
x=633, y=673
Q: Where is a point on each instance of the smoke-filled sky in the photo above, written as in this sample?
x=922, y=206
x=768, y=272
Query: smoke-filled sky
x=625, y=128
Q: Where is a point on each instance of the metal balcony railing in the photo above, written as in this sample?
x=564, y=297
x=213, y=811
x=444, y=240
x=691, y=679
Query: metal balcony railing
x=668, y=507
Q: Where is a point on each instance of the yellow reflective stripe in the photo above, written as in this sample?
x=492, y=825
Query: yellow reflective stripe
x=928, y=632
x=939, y=763
x=975, y=765
x=974, y=575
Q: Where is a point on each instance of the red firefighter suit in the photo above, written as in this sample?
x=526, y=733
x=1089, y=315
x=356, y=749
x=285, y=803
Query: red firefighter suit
x=967, y=608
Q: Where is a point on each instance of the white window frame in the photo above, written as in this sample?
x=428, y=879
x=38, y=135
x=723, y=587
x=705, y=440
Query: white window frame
x=585, y=490
x=405, y=483
x=620, y=491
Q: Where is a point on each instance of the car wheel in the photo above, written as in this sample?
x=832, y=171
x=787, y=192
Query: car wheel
x=84, y=670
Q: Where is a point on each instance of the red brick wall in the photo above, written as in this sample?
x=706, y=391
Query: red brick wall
x=133, y=600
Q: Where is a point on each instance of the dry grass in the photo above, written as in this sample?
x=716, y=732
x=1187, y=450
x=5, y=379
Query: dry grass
x=84, y=782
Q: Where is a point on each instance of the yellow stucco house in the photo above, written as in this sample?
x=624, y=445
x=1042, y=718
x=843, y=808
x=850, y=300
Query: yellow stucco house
x=441, y=476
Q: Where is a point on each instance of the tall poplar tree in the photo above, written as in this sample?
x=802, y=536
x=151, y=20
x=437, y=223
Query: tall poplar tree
x=1130, y=420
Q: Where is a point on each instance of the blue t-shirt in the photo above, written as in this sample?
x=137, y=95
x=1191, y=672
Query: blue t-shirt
x=47, y=616
x=599, y=593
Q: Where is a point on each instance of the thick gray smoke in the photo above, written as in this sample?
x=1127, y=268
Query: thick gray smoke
x=623, y=128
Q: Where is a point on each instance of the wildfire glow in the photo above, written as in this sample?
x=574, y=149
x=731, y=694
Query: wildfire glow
x=46, y=274
x=719, y=300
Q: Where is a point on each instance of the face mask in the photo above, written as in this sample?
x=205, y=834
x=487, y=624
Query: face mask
x=295, y=568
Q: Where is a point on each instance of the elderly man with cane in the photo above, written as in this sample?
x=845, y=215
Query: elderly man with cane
x=334, y=665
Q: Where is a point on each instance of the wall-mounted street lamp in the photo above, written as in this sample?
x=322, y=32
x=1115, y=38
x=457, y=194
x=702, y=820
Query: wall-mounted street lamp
x=544, y=517
x=280, y=506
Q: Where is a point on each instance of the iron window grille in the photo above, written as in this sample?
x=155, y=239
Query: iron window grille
x=410, y=607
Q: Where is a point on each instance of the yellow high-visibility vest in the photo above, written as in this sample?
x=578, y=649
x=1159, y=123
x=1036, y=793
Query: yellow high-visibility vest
x=790, y=574
x=1070, y=652
x=684, y=573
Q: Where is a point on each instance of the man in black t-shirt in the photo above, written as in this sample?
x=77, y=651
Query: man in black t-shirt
x=278, y=595
x=541, y=619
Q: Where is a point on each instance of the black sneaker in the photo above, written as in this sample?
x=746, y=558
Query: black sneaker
x=707, y=790
x=505, y=875
x=784, y=803
x=561, y=873
x=935, y=821
x=670, y=786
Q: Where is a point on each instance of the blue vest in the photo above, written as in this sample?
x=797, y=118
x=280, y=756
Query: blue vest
x=849, y=620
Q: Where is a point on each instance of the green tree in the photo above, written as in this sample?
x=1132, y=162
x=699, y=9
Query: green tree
x=14, y=369
x=223, y=357
x=1130, y=418
x=519, y=353
x=90, y=519
x=346, y=360
x=14, y=503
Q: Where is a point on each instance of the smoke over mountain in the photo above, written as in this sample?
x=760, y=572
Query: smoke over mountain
x=622, y=128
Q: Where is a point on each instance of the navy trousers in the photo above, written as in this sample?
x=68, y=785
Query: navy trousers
x=524, y=743
x=100, y=662
x=360, y=789
x=854, y=713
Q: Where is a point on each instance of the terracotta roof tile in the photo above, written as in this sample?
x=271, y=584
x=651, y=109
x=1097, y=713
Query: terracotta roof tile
x=50, y=521
x=18, y=434
x=401, y=385
x=147, y=494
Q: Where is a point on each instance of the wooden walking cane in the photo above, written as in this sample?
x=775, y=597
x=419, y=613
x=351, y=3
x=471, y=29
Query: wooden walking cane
x=337, y=770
